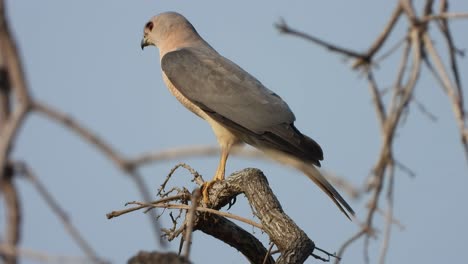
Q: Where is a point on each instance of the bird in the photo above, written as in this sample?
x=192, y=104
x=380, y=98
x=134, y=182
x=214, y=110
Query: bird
x=237, y=106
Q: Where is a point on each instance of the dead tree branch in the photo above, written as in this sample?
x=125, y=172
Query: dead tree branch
x=292, y=242
x=418, y=48
x=75, y=234
x=90, y=137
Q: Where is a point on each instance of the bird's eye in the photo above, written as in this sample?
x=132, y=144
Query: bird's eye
x=149, y=25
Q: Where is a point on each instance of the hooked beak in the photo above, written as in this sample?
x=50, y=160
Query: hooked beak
x=144, y=43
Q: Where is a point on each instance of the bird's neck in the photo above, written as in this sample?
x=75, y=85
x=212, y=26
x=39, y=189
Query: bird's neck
x=183, y=41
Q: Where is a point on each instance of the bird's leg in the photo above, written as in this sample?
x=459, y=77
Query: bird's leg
x=219, y=176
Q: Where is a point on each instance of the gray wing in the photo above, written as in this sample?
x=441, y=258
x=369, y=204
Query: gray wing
x=218, y=84
x=235, y=98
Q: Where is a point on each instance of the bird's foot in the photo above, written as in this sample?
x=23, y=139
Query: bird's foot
x=205, y=189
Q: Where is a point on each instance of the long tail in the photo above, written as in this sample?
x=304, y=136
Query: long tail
x=314, y=174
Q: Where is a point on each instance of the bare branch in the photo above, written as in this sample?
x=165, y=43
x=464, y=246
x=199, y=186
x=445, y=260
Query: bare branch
x=347, y=243
x=40, y=257
x=74, y=233
x=190, y=222
x=10, y=62
x=388, y=215
x=182, y=196
x=343, y=184
x=70, y=123
x=378, y=43
x=13, y=213
x=285, y=29
x=453, y=93
x=452, y=51
x=10, y=132
x=144, y=257
x=11, y=58
x=189, y=151
x=444, y=16
x=199, y=209
x=377, y=99
x=105, y=148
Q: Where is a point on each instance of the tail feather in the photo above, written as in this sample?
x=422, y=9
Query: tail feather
x=314, y=174
x=288, y=139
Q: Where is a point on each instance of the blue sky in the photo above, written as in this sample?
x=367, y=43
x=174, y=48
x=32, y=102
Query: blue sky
x=83, y=57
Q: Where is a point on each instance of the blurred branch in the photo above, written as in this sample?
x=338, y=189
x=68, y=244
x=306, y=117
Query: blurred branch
x=14, y=78
x=444, y=16
x=239, y=151
x=361, y=58
x=154, y=257
x=190, y=222
x=12, y=115
x=23, y=169
x=418, y=47
x=37, y=256
x=105, y=148
x=85, y=133
x=454, y=94
x=13, y=214
x=285, y=29
x=190, y=151
x=142, y=205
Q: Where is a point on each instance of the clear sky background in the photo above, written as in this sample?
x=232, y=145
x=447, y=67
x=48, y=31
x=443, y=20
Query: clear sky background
x=84, y=58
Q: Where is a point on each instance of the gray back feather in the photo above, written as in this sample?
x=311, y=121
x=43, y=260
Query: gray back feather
x=216, y=84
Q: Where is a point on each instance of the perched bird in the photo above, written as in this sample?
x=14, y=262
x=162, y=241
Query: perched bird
x=235, y=104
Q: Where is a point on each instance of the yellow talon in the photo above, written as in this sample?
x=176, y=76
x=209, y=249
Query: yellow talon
x=205, y=190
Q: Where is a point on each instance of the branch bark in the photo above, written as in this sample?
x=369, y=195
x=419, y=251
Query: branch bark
x=293, y=244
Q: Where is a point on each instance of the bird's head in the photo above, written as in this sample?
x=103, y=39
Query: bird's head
x=166, y=30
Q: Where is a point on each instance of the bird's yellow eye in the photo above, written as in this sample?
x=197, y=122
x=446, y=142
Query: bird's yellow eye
x=149, y=25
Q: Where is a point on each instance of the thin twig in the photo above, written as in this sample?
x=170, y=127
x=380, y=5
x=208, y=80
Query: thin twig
x=424, y=110
x=197, y=178
x=190, y=221
x=201, y=209
x=106, y=149
x=53, y=204
x=11, y=56
x=377, y=99
x=189, y=151
x=265, y=259
x=343, y=184
x=13, y=213
x=398, y=85
x=285, y=29
x=442, y=76
x=160, y=201
x=197, y=151
x=17, y=80
x=388, y=215
x=444, y=16
x=347, y=243
x=9, y=132
x=391, y=50
x=329, y=255
x=378, y=43
x=84, y=132
x=41, y=257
